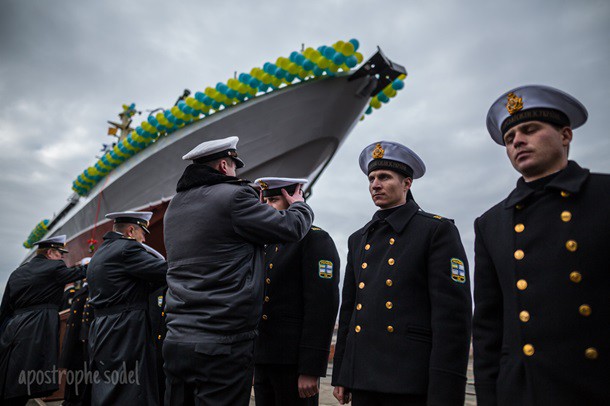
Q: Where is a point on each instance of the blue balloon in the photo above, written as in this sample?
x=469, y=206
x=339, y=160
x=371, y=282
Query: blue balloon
x=280, y=73
x=329, y=53
x=369, y=110
x=308, y=65
x=181, y=104
x=153, y=121
x=398, y=84
x=339, y=58
x=383, y=98
x=199, y=96
x=317, y=71
x=290, y=78
x=351, y=61
x=293, y=56
x=254, y=82
x=207, y=100
x=300, y=59
x=355, y=43
x=215, y=105
x=231, y=94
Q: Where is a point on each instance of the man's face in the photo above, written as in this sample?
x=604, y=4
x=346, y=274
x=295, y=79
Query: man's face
x=537, y=149
x=137, y=233
x=54, y=254
x=388, y=188
x=277, y=202
x=231, y=167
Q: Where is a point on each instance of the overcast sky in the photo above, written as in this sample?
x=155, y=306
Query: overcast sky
x=67, y=67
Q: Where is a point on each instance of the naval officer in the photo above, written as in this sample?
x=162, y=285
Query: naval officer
x=404, y=323
x=215, y=231
x=121, y=276
x=299, y=311
x=29, y=322
x=541, y=329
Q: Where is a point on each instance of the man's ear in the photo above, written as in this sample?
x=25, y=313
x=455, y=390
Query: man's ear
x=408, y=182
x=566, y=136
x=222, y=166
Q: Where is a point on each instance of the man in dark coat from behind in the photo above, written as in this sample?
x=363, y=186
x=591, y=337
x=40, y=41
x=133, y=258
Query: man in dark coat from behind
x=299, y=311
x=541, y=327
x=404, y=323
x=29, y=323
x=215, y=230
x=122, y=274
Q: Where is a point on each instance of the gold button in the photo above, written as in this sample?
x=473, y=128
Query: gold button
x=524, y=316
x=528, y=350
x=566, y=216
x=361, y=285
x=518, y=206
x=359, y=306
x=389, y=305
x=265, y=317
x=357, y=329
x=364, y=265
x=267, y=281
x=162, y=314
x=270, y=266
x=564, y=193
x=571, y=245
x=367, y=247
x=575, y=277
x=521, y=284
x=519, y=228
x=591, y=353
x=159, y=336
x=519, y=254
x=389, y=282
x=390, y=329
x=267, y=298
x=391, y=261
x=277, y=249
x=392, y=241
x=585, y=310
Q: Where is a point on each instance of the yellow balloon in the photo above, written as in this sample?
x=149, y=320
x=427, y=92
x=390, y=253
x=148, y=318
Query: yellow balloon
x=359, y=57
x=348, y=49
x=375, y=103
x=402, y=76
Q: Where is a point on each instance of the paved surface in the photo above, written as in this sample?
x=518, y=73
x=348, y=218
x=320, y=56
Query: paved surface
x=326, y=392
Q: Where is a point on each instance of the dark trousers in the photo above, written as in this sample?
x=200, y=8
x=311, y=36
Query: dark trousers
x=208, y=374
x=277, y=385
x=367, y=398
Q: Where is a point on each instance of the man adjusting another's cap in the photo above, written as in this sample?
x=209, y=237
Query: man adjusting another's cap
x=215, y=231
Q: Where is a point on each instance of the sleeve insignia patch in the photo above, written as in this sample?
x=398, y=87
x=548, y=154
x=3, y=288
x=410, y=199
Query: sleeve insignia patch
x=458, y=271
x=325, y=269
x=160, y=301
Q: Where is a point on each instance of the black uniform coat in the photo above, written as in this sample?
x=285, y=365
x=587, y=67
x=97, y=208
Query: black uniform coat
x=300, y=304
x=404, y=323
x=542, y=322
x=30, y=325
x=121, y=276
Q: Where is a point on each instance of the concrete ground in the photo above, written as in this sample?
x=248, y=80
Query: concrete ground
x=326, y=392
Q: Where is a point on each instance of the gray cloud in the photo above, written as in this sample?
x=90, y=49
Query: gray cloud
x=66, y=68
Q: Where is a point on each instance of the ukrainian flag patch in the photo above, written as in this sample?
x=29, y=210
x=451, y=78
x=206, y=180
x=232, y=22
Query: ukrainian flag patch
x=325, y=269
x=458, y=271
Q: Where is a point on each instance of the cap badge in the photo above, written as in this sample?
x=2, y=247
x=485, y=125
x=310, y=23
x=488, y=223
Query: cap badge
x=378, y=152
x=264, y=186
x=514, y=103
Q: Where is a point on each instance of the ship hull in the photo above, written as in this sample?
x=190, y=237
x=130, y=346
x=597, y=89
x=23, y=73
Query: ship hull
x=291, y=132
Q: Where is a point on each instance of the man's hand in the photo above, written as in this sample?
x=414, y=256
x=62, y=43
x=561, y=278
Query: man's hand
x=296, y=197
x=342, y=395
x=308, y=385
